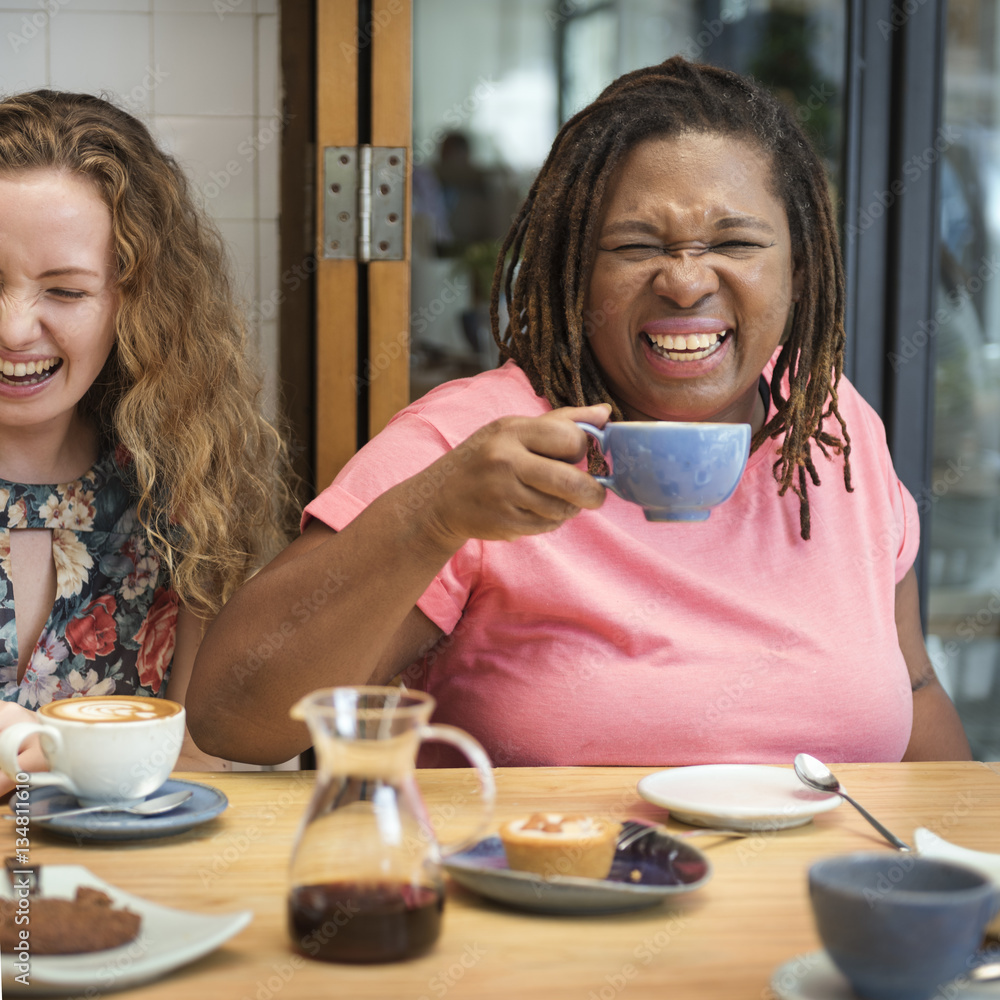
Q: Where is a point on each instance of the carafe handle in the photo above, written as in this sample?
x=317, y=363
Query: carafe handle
x=472, y=749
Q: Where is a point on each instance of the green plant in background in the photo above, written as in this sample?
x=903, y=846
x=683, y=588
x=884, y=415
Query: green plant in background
x=477, y=262
x=783, y=63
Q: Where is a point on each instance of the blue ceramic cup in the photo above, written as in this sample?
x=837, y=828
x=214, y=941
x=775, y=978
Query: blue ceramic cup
x=675, y=471
x=899, y=926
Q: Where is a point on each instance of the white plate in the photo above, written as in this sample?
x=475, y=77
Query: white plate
x=930, y=845
x=815, y=977
x=735, y=796
x=167, y=940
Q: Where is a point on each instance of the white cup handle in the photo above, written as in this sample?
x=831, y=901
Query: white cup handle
x=472, y=749
x=10, y=743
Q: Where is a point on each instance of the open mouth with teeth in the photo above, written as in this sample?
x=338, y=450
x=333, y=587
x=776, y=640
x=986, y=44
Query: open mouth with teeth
x=28, y=372
x=686, y=347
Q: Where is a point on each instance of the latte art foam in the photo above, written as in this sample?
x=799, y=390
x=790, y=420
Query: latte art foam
x=123, y=708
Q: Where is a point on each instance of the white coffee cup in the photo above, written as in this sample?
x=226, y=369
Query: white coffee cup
x=102, y=749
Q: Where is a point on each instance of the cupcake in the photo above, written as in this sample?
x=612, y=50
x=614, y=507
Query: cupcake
x=550, y=844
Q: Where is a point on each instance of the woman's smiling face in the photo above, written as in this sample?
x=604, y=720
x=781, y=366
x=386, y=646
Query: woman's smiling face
x=692, y=281
x=57, y=295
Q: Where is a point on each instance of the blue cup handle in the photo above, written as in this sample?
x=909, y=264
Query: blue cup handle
x=599, y=436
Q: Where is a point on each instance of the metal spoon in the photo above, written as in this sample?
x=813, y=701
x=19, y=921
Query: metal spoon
x=817, y=775
x=150, y=807
x=985, y=973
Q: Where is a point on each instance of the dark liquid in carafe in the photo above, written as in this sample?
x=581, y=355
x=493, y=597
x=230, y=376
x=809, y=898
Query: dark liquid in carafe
x=364, y=921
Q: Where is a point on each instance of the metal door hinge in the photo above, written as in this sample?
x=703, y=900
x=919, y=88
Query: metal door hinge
x=363, y=201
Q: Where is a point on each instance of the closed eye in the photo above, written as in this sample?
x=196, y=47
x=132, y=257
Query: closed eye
x=655, y=248
x=741, y=245
x=649, y=251
x=636, y=251
x=65, y=293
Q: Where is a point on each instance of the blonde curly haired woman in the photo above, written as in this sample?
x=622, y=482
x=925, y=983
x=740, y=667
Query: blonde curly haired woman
x=140, y=484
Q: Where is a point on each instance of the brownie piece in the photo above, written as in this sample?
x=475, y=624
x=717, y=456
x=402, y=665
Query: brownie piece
x=67, y=926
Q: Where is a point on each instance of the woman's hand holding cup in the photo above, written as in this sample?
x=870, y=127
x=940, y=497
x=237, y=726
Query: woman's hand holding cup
x=30, y=757
x=515, y=476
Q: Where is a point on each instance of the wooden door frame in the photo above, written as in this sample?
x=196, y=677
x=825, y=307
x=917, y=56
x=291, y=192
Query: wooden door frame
x=361, y=346
x=336, y=313
x=388, y=362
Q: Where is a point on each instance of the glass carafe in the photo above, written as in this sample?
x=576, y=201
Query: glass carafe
x=366, y=879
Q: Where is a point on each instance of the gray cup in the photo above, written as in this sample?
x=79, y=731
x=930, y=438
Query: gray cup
x=674, y=471
x=899, y=926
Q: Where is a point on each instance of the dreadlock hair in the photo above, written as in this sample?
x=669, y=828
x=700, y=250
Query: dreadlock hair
x=545, y=262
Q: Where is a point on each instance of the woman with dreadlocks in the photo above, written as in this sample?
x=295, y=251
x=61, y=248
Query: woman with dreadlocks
x=676, y=260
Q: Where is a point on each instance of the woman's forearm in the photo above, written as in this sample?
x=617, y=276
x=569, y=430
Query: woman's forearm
x=321, y=614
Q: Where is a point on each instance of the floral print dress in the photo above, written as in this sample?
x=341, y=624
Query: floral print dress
x=113, y=624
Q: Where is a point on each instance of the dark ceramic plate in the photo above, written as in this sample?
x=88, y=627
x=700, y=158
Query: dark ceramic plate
x=643, y=874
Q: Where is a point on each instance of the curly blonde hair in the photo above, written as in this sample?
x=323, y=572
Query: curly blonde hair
x=178, y=391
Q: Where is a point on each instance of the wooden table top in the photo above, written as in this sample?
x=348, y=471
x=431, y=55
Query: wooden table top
x=721, y=941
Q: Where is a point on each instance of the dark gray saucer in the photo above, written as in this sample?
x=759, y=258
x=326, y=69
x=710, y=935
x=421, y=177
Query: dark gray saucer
x=645, y=873
x=205, y=803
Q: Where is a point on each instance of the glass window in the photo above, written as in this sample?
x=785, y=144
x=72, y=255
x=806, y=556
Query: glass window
x=493, y=81
x=964, y=494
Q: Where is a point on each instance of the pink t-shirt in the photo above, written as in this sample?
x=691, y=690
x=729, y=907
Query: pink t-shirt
x=613, y=640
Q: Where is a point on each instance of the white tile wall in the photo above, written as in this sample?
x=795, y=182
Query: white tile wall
x=210, y=62
x=56, y=8
x=268, y=76
x=216, y=153
x=241, y=235
x=218, y=8
x=268, y=292
x=25, y=52
x=267, y=145
x=106, y=54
